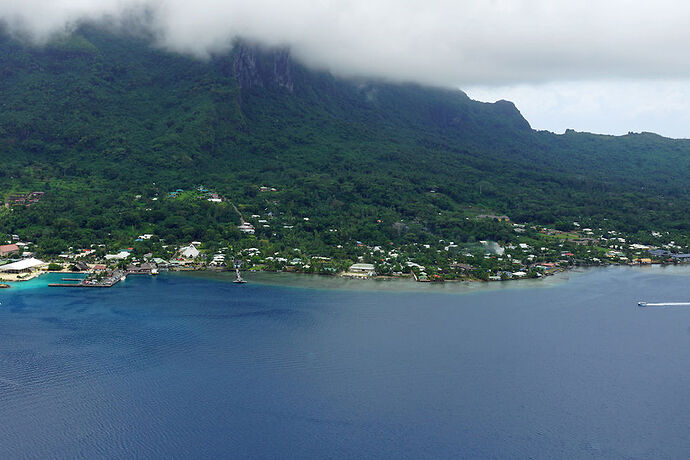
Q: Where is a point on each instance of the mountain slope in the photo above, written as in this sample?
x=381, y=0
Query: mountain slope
x=96, y=118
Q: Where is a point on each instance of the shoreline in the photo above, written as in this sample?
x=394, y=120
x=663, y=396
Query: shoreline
x=379, y=283
x=382, y=284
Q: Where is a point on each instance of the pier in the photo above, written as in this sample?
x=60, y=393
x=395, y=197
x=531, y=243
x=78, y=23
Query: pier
x=109, y=281
x=111, y=278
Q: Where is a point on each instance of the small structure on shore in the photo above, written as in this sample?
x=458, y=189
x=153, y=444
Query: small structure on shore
x=360, y=271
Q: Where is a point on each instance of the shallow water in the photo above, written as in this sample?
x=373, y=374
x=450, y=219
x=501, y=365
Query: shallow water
x=183, y=366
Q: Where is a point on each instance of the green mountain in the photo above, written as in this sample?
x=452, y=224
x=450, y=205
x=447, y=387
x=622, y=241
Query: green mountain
x=97, y=119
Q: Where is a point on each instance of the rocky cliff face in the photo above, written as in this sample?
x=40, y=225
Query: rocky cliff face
x=257, y=69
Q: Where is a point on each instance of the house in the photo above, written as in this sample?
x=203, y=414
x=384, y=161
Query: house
x=141, y=269
x=218, y=259
x=25, y=199
x=7, y=249
x=80, y=267
x=461, y=267
x=547, y=265
x=246, y=227
x=162, y=263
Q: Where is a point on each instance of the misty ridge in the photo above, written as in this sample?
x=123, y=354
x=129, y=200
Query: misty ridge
x=439, y=42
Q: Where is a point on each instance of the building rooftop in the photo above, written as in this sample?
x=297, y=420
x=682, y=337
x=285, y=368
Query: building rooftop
x=21, y=265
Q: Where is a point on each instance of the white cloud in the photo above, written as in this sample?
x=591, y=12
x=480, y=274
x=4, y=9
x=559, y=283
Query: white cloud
x=462, y=43
x=435, y=41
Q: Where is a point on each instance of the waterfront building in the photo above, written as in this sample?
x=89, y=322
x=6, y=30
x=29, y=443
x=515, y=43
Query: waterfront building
x=23, y=266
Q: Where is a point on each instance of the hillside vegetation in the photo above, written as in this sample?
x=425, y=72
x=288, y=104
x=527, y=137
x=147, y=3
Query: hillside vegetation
x=104, y=124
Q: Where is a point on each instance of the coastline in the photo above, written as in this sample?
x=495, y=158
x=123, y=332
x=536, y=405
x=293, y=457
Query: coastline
x=382, y=284
x=378, y=284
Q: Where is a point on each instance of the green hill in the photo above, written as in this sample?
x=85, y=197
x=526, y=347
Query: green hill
x=96, y=120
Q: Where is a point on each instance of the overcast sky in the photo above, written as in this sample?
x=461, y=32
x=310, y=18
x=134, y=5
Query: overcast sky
x=602, y=66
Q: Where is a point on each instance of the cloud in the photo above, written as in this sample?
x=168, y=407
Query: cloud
x=445, y=42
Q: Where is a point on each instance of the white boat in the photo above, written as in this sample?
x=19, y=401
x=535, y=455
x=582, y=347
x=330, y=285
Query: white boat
x=154, y=271
x=663, y=304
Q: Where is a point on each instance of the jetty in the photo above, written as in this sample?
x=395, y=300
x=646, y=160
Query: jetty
x=238, y=276
x=110, y=280
x=110, y=277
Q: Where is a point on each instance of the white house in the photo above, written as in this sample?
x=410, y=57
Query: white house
x=246, y=227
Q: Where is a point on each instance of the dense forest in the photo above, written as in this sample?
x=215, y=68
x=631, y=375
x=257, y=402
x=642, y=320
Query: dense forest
x=107, y=126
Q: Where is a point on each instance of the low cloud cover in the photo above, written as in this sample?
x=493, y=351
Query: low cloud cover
x=482, y=43
x=435, y=41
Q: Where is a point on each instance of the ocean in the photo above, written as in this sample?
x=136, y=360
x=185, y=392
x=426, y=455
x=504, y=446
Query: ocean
x=290, y=366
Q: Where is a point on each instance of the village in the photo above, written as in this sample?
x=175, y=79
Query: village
x=533, y=252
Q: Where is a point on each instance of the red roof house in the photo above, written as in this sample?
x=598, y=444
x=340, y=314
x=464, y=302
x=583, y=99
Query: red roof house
x=8, y=249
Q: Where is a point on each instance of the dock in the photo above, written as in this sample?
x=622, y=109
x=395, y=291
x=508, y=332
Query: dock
x=110, y=281
x=83, y=285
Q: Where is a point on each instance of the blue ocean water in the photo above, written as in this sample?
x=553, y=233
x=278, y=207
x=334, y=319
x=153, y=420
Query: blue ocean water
x=189, y=367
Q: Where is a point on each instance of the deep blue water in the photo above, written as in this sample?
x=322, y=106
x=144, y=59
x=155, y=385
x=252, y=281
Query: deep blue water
x=186, y=367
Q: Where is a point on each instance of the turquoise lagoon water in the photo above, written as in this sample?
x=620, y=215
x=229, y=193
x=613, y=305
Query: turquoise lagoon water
x=187, y=366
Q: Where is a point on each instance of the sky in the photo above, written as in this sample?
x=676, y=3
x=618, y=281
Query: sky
x=600, y=66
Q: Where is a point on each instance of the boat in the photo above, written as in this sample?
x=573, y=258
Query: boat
x=239, y=279
x=4, y=286
x=154, y=271
x=663, y=304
